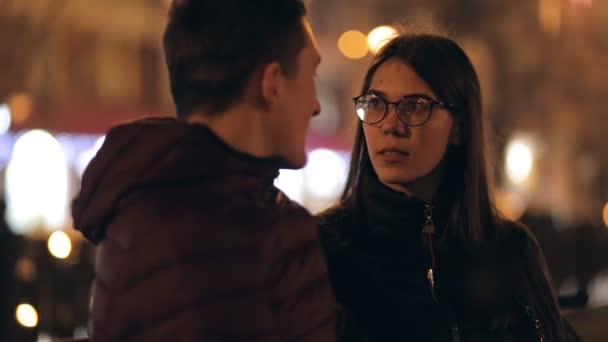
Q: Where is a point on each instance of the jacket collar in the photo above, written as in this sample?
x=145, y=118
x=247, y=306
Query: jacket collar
x=393, y=214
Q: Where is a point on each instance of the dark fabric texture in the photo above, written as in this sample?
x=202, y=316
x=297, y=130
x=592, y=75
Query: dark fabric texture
x=194, y=243
x=378, y=259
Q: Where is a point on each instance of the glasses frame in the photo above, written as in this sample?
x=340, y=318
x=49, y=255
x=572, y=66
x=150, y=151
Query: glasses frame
x=432, y=105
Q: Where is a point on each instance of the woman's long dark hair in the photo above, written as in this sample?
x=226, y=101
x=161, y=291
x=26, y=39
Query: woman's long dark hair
x=473, y=219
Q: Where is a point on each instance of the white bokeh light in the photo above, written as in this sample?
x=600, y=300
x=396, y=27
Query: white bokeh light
x=87, y=155
x=26, y=315
x=37, y=184
x=379, y=36
x=291, y=182
x=519, y=162
x=60, y=245
x=5, y=118
x=325, y=173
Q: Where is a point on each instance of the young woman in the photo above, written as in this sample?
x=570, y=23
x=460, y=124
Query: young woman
x=415, y=248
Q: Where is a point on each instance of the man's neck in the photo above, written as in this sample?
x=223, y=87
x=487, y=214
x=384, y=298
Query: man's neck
x=241, y=128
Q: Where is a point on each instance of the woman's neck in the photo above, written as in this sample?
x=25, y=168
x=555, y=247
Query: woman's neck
x=423, y=188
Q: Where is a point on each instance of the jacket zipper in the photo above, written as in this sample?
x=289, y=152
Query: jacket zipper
x=429, y=231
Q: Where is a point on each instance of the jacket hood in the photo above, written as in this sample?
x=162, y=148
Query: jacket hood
x=157, y=151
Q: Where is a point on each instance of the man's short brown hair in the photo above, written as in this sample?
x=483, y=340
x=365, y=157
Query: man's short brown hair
x=212, y=47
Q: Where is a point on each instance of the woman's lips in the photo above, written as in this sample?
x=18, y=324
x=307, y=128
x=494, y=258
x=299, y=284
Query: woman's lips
x=393, y=155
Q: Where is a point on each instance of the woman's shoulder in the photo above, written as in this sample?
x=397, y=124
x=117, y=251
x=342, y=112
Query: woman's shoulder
x=515, y=235
x=526, y=257
x=337, y=215
x=336, y=226
x=516, y=243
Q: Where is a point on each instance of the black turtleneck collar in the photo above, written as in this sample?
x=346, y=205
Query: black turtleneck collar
x=394, y=214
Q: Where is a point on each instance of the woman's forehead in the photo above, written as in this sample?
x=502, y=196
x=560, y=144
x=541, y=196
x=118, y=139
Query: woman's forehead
x=395, y=79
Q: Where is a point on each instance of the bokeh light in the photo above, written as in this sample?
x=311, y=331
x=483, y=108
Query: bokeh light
x=353, y=44
x=86, y=156
x=519, y=161
x=26, y=315
x=37, y=184
x=291, y=182
x=379, y=36
x=325, y=173
x=59, y=245
x=5, y=118
x=25, y=269
x=511, y=204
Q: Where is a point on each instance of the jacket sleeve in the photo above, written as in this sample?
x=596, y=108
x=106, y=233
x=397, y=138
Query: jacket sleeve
x=302, y=297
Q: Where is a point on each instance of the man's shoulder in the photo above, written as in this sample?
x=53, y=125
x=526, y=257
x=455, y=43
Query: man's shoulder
x=292, y=221
x=283, y=202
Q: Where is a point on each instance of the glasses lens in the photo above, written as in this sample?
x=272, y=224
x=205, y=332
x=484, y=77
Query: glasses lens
x=370, y=109
x=414, y=110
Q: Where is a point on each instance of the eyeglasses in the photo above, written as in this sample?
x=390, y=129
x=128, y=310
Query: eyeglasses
x=413, y=110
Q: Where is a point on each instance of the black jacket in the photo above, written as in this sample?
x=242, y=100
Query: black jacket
x=378, y=261
x=194, y=243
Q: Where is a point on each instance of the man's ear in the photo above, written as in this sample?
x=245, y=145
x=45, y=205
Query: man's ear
x=271, y=83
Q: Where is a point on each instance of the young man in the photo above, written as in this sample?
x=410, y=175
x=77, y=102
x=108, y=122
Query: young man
x=194, y=241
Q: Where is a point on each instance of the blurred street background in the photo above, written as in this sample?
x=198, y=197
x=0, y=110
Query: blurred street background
x=70, y=69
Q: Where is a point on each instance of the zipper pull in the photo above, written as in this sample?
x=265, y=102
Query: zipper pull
x=429, y=232
x=429, y=226
x=430, y=276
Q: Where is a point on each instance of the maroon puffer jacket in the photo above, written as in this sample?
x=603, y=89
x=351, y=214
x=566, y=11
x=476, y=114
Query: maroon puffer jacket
x=194, y=243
